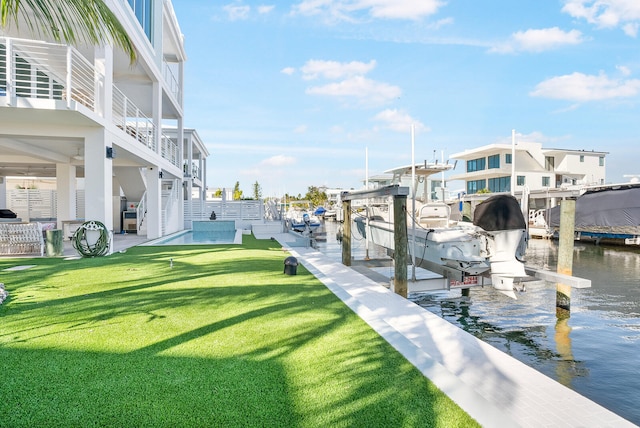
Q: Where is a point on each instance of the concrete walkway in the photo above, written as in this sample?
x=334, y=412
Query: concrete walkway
x=493, y=387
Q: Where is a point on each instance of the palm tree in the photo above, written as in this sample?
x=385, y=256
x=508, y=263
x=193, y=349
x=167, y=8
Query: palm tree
x=68, y=21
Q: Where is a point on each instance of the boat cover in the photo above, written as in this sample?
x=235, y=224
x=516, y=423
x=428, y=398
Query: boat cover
x=499, y=212
x=612, y=207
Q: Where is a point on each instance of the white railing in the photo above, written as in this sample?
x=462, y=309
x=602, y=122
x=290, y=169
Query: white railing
x=169, y=150
x=193, y=172
x=141, y=212
x=128, y=117
x=34, y=69
x=170, y=80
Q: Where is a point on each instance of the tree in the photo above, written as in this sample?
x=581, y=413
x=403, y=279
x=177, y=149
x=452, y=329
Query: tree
x=218, y=193
x=237, y=193
x=257, y=190
x=68, y=21
x=316, y=196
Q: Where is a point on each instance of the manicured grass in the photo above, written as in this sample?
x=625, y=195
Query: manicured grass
x=221, y=339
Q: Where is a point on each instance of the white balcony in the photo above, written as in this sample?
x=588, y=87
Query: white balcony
x=40, y=70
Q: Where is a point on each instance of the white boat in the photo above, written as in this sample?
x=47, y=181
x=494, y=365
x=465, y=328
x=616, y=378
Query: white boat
x=493, y=245
x=300, y=218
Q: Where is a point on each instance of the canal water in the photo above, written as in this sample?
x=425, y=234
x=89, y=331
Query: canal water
x=595, y=351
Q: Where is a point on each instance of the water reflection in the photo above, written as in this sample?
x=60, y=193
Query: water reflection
x=594, y=351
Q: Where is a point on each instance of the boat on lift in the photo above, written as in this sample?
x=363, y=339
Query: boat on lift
x=492, y=245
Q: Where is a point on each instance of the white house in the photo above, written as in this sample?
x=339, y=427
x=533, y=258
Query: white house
x=86, y=112
x=538, y=169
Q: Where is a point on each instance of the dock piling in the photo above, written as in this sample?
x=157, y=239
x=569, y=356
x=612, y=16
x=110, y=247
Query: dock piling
x=565, y=255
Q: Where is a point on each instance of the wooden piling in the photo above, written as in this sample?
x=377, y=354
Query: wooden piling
x=400, y=244
x=565, y=255
x=346, y=233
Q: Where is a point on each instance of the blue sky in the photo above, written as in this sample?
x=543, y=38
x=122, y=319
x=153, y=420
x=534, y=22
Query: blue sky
x=292, y=94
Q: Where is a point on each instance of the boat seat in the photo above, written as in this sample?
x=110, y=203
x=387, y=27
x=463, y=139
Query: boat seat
x=434, y=215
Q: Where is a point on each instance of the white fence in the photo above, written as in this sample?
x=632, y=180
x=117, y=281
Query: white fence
x=243, y=212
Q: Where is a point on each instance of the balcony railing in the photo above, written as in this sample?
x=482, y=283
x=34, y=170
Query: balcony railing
x=195, y=170
x=171, y=80
x=34, y=69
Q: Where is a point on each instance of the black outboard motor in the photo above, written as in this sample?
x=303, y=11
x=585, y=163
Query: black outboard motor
x=5, y=213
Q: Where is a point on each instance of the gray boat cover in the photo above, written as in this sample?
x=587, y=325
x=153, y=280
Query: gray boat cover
x=610, y=208
x=499, y=212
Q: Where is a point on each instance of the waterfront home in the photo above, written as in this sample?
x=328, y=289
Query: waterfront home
x=547, y=173
x=88, y=117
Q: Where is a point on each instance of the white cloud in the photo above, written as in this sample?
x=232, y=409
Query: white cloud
x=631, y=29
x=334, y=69
x=399, y=121
x=606, y=13
x=288, y=70
x=348, y=10
x=368, y=92
x=278, y=160
x=300, y=129
x=262, y=10
x=624, y=70
x=582, y=87
x=237, y=12
x=539, y=40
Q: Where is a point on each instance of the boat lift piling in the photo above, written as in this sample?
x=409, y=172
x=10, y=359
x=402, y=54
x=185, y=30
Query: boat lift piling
x=565, y=255
x=400, y=260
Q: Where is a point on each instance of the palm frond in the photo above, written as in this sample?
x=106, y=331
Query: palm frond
x=69, y=21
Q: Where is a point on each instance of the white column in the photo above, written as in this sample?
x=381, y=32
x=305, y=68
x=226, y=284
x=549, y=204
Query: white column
x=98, y=179
x=154, y=203
x=66, y=188
x=156, y=97
x=180, y=145
x=203, y=168
x=103, y=77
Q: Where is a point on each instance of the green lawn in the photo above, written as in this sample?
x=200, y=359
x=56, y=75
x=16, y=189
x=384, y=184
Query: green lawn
x=221, y=339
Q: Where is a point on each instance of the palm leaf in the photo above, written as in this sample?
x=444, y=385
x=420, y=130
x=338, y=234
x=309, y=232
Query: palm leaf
x=69, y=21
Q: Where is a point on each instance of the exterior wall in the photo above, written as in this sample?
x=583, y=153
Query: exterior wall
x=571, y=167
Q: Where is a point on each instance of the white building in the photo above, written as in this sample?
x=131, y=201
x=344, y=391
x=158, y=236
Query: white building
x=535, y=168
x=86, y=112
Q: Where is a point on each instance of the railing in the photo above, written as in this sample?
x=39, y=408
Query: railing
x=141, y=212
x=33, y=69
x=128, y=117
x=171, y=80
x=169, y=150
x=195, y=170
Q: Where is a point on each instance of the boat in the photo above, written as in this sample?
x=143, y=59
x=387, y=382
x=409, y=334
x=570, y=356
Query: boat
x=605, y=214
x=300, y=218
x=490, y=246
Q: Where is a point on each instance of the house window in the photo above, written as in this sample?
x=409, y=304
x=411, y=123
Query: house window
x=494, y=161
x=546, y=181
x=601, y=161
x=520, y=180
x=475, y=186
x=476, y=164
x=507, y=158
x=581, y=158
x=500, y=184
x=549, y=163
x=142, y=10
